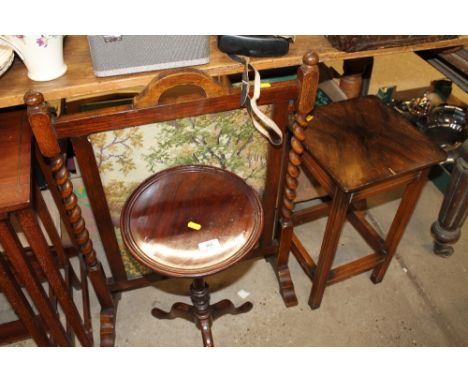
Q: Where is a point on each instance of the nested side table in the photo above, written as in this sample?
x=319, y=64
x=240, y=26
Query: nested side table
x=35, y=268
x=193, y=221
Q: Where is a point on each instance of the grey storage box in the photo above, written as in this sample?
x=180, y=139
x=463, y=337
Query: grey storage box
x=119, y=54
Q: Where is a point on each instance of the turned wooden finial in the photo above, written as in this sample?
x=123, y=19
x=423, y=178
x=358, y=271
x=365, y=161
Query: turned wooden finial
x=308, y=77
x=33, y=98
x=39, y=119
x=310, y=58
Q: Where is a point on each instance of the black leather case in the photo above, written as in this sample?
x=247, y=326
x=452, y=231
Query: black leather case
x=253, y=46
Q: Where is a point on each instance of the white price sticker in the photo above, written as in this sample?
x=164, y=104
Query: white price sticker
x=209, y=245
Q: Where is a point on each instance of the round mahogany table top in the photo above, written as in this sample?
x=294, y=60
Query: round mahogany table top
x=191, y=221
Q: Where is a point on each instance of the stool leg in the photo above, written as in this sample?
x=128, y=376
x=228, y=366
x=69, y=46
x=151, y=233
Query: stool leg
x=400, y=221
x=336, y=220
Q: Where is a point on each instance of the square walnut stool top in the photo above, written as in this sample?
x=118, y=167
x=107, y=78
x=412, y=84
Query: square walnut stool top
x=361, y=142
x=355, y=149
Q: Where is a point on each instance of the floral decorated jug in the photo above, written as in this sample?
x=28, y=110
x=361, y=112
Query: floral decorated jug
x=42, y=55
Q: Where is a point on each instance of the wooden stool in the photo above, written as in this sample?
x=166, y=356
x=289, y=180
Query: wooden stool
x=193, y=221
x=355, y=149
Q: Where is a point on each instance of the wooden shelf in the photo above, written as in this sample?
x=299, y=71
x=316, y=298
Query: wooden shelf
x=80, y=79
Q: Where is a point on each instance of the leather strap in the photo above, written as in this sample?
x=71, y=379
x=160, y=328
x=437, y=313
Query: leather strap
x=265, y=125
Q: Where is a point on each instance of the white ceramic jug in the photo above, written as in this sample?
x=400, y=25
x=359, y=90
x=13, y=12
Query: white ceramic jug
x=42, y=55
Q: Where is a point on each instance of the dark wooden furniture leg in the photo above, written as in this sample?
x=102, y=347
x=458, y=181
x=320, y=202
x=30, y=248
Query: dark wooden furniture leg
x=356, y=77
x=447, y=229
x=38, y=243
x=28, y=278
x=200, y=297
x=201, y=312
x=336, y=220
x=21, y=306
x=400, y=221
x=282, y=269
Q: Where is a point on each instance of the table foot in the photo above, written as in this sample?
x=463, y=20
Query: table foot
x=227, y=307
x=178, y=310
x=201, y=312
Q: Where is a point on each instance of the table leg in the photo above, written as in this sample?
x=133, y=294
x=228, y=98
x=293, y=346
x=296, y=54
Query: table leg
x=356, y=76
x=447, y=229
x=21, y=306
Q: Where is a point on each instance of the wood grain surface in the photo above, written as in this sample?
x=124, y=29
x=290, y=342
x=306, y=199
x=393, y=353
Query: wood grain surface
x=191, y=221
x=15, y=161
x=361, y=141
x=79, y=80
